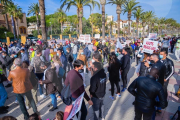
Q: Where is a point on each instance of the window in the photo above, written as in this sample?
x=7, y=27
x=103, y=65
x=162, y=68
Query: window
x=24, y=30
x=21, y=20
x=21, y=30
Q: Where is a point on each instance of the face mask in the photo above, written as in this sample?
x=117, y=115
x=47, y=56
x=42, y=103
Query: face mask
x=3, y=56
x=160, y=56
x=57, y=54
x=81, y=71
x=93, y=60
x=82, y=53
x=15, y=56
x=21, y=53
x=149, y=62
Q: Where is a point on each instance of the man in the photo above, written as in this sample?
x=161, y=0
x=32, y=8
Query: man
x=136, y=52
x=95, y=50
x=35, y=63
x=165, y=45
x=69, y=58
x=177, y=51
x=22, y=86
x=75, y=80
x=46, y=53
x=145, y=90
x=75, y=50
x=169, y=69
x=87, y=52
x=173, y=42
x=125, y=66
x=24, y=56
x=98, y=90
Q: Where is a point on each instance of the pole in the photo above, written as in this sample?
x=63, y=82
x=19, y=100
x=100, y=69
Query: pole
x=103, y=21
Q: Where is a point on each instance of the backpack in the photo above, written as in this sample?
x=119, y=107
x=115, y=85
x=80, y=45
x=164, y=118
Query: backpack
x=61, y=72
x=66, y=95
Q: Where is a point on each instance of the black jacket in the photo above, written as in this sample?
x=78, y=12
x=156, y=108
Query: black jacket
x=125, y=62
x=169, y=68
x=162, y=71
x=145, y=90
x=69, y=57
x=105, y=49
x=114, y=71
x=143, y=70
x=98, y=84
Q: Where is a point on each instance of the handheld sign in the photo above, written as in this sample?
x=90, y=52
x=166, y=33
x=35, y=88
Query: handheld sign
x=152, y=35
x=149, y=46
x=97, y=36
x=85, y=38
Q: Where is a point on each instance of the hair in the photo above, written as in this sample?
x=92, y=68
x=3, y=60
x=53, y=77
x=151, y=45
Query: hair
x=25, y=64
x=128, y=50
x=38, y=51
x=59, y=115
x=56, y=59
x=155, y=55
x=97, y=65
x=8, y=118
x=17, y=62
x=34, y=116
x=163, y=50
x=78, y=63
x=119, y=50
x=68, y=49
x=97, y=56
x=112, y=58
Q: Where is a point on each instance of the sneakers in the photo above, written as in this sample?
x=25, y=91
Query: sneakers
x=124, y=89
x=3, y=111
x=43, y=96
x=111, y=97
x=59, y=98
x=49, y=105
x=52, y=109
x=38, y=104
x=118, y=95
x=16, y=101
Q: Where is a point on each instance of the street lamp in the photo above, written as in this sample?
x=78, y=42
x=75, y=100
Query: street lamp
x=51, y=28
x=5, y=34
x=103, y=2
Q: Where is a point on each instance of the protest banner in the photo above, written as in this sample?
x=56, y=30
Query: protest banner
x=85, y=38
x=149, y=46
x=152, y=35
x=97, y=36
x=76, y=106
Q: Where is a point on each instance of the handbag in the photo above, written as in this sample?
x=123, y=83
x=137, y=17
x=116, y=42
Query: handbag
x=61, y=72
x=66, y=95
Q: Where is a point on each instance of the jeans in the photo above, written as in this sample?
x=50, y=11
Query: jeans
x=75, y=56
x=146, y=116
x=98, y=108
x=124, y=78
x=69, y=66
x=34, y=95
x=53, y=100
x=40, y=76
x=83, y=110
x=112, y=86
x=105, y=57
x=3, y=95
x=20, y=98
x=137, y=60
x=172, y=48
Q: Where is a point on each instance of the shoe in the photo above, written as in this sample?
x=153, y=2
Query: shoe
x=103, y=119
x=8, y=85
x=118, y=95
x=111, y=97
x=38, y=104
x=123, y=89
x=49, y=105
x=59, y=98
x=52, y=109
x=5, y=107
x=43, y=96
x=3, y=111
x=16, y=101
x=27, y=107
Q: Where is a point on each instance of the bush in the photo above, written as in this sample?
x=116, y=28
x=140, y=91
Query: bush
x=2, y=34
x=35, y=33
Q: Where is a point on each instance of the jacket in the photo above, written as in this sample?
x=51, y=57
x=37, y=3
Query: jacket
x=125, y=62
x=69, y=57
x=87, y=52
x=114, y=71
x=63, y=61
x=24, y=57
x=74, y=49
x=46, y=54
x=36, y=63
x=169, y=68
x=162, y=71
x=6, y=61
x=20, y=78
x=145, y=90
x=105, y=49
x=83, y=58
x=143, y=70
x=98, y=84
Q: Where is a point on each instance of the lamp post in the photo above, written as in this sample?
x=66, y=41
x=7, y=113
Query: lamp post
x=5, y=34
x=51, y=28
x=103, y=2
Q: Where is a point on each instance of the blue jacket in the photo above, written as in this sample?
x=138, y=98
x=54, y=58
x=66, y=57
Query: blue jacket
x=63, y=61
x=87, y=52
x=24, y=57
x=64, y=48
x=133, y=46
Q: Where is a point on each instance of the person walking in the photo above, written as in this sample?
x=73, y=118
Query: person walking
x=22, y=86
x=137, y=52
x=146, y=89
x=24, y=56
x=165, y=45
x=173, y=42
x=75, y=50
x=177, y=51
x=70, y=59
x=105, y=52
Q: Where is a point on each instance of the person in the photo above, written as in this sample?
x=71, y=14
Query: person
x=169, y=69
x=119, y=54
x=59, y=115
x=146, y=89
x=87, y=52
x=95, y=50
x=177, y=51
x=70, y=59
x=75, y=50
x=34, y=116
x=8, y=118
x=98, y=90
x=24, y=56
x=136, y=53
x=105, y=52
x=133, y=48
x=52, y=53
x=173, y=42
x=74, y=79
x=114, y=67
x=35, y=64
x=46, y=53
x=165, y=45
x=125, y=66
x=22, y=86
x=142, y=69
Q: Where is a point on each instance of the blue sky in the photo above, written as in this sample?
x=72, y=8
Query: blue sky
x=162, y=8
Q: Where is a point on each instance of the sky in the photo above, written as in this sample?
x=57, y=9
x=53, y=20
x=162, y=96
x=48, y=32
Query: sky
x=162, y=8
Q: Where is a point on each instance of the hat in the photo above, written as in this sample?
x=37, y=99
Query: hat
x=31, y=49
x=0, y=48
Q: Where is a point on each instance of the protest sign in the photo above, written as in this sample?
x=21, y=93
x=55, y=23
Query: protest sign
x=152, y=35
x=76, y=106
x=149, y=46
x=97, y=36
x=85, y=38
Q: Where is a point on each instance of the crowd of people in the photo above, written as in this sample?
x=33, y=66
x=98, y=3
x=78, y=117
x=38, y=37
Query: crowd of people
x=48, y=67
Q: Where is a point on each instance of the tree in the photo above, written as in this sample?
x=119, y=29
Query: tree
x=43, y=21
x=150, y=15
x=34, y=9
x=133, y=25
x=137, y=15
x=111, y=23
x=62, y=17
x=74, y=21
x=119, y=4
x=129, y=7
x=144, y=18
x=79, y=4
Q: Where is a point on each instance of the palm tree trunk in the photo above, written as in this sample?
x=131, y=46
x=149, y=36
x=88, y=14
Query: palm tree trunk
x=6, y=20
x=37, y=18
x=77, y=28
x=17, y=29
x=80, y=20
x=103, y=21
x=137, y=24
x=118, y=15
x=61, y=27
x=92, y=29
x=129, y=27
x=43, y=21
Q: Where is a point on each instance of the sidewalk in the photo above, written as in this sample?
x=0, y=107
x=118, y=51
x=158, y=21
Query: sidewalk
x=120, y=109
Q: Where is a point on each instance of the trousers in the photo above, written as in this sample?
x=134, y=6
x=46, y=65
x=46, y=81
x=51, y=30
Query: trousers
x=112, y=86
x=34, y=95
x=146, y=116
x=124, y=78
x=3, y=95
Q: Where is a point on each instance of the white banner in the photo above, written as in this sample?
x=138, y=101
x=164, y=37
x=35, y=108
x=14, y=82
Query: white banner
x=152, y=35
x=85, y=38
x=97, y=36
x=149, y=46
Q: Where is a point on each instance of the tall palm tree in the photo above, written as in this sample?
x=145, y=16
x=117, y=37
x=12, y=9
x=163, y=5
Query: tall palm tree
x=43, y=20
x=92, y=20
x=16, y=12
x=111, y=23
x=168, y=22
x=137, y=15
x=144, y=19
x=79, y=4
x=119, y=4
x=34, y=9
x=103, y=2
x=133, y=25
x=62, y=17
x=129, y=7
x=150, y=15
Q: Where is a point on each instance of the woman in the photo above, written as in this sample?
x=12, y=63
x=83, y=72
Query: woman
x=141, y=69
x=82, y=57
x=114, y=67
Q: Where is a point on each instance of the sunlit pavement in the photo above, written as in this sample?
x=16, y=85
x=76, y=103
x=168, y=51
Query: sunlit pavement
x=120, y=109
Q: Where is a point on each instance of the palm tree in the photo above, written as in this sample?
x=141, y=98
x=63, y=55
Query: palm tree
x=137, y=15
x=16, y=12
x=133, y=25
x=79, y=4
x=150, y=15
x=168, y=22
x=129, y=7
x=144, y=18
x=62, y=17
x=92, y=20
x=111, y=23
x=43, y=21
x=34, y=9
x=119, y=4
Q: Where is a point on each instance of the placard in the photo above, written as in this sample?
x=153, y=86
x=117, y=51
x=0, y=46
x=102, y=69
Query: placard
x=149, y=46
x=152, y=35
x=97, y=36
x=85, y=38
